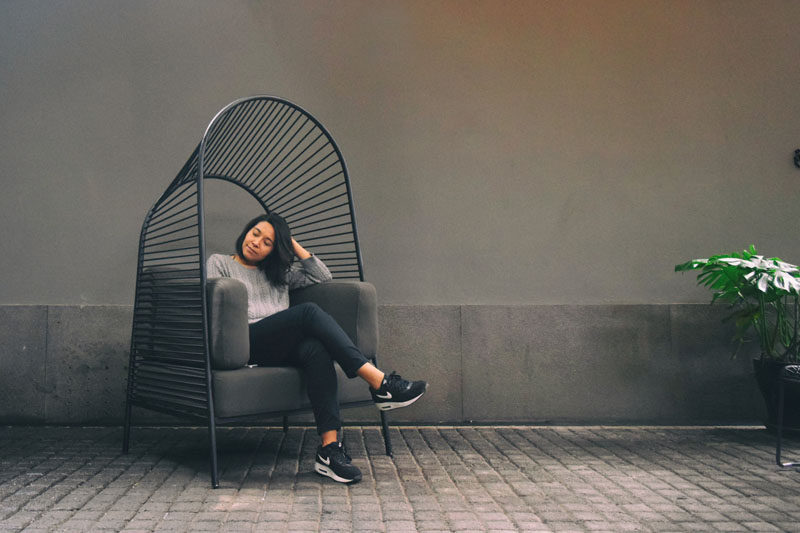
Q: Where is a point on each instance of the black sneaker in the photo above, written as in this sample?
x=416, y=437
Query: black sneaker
x=397, y=392
x=333, y=461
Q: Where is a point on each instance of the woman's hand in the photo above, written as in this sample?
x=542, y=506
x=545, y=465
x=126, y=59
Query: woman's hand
x=299, y=251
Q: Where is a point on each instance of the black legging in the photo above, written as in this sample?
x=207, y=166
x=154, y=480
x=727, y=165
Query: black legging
x=308, y=337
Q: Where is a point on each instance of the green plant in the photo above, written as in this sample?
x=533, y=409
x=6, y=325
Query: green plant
x=763, y=295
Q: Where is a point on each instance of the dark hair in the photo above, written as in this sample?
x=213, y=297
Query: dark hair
x=277, y=263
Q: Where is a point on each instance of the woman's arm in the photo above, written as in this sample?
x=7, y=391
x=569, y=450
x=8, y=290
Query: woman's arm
x=311, y=269
x=299, y=251
x=215, y=267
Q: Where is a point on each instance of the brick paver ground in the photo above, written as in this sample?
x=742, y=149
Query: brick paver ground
x=441, y=479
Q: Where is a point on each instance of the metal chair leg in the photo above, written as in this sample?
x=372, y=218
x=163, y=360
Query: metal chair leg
x=126, y=430
x=780, y=423
x=212, y=434
x=387, y=439
x=781, y=386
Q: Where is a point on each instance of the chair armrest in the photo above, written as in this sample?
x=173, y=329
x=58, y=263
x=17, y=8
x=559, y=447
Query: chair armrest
x=354, y=306
x=228, y=329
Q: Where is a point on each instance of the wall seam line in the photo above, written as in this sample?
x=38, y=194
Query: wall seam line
x=46, y=353
x=669, y=329
x=461, y=355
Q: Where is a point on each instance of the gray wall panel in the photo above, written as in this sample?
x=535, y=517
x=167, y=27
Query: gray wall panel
x=88, y=349
x=705, y=379
x=603, y=364
x=563, y=362
x=424, y=342
x=23, y=342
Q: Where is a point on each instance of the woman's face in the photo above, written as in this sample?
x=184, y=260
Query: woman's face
x=258, y=243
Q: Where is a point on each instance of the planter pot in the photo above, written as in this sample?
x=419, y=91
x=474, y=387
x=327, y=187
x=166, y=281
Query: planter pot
x=767, y=373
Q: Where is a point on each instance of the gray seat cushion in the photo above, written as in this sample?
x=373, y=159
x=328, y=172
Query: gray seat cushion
x=262, y=390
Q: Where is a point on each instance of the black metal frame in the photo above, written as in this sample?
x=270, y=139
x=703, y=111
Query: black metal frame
x=286, y=160
x=788, y=374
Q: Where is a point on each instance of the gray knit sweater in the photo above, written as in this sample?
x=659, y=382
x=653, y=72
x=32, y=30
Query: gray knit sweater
x=263, y=298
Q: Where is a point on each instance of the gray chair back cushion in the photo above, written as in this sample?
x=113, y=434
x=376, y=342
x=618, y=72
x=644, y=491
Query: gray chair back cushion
x=354, y=306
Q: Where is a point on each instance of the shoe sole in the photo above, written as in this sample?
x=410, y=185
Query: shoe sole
x=325, y=471
x=388, y=406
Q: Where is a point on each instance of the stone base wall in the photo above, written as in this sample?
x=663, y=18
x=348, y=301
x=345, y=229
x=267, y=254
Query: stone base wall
x=592, y=364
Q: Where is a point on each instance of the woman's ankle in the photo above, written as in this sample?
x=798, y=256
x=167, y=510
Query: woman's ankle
x=329, y=437
x=372, y=375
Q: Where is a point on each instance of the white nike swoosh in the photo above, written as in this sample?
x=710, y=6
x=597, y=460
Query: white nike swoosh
x=388, y=396
x=323, y=460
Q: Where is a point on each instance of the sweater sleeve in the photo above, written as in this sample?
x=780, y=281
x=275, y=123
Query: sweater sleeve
x=215, y=267
x=308, y=272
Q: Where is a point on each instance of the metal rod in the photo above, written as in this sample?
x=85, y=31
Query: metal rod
x=160, y=225
x=321, y=203
x=270, y=166
x=250, y=148
x=283, y=171
x=317, y=213
x=310, y=239
x=320, y=228
x=221, y=133
x=236, y=148
x=257, y=161
x=153, y=235
x=276, y=147
x=175, y=200
x=318, y=184
x=170, y=241
x=328, y=254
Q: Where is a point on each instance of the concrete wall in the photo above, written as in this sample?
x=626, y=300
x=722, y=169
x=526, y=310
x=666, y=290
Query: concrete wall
x=526, y=174
x=515, y=152
x=580, y=364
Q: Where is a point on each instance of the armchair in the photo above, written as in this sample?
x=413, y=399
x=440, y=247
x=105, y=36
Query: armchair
x=189, y=340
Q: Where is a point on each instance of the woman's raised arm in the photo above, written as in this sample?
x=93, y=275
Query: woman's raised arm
x=299, y=251
x=311, y=269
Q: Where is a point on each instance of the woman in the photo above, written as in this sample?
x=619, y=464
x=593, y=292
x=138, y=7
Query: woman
x=304, y=335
